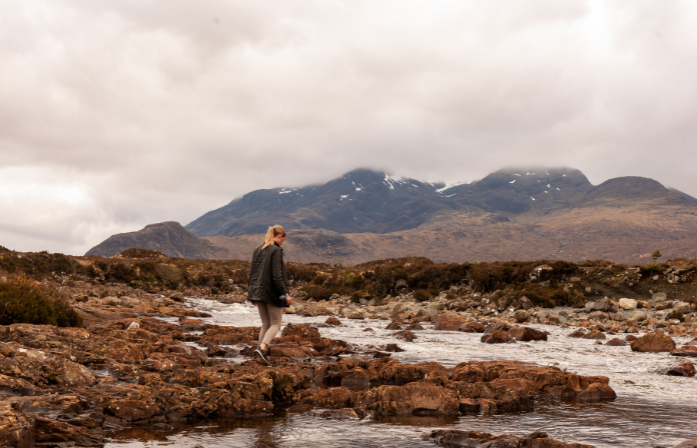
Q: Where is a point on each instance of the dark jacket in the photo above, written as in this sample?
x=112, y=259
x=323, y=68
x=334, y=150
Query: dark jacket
x=268, y=279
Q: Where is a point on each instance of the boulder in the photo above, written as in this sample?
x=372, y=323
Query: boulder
x=474, y=439
x=472, y=327
x=682, y=368
x=447, y=321
x=498, y=337
x=687, y=444
x=420, y=398
x=405, y=335
x=16, y=428
x=526, y=334
x=616, y=342
x=653, y=343
x=628, y=304
x=303, y=331
x=333, y=321
x=523, y=303
x=638, y=315
x=415, y=327
x=597, y=392
x=594, y=334
x=521, y=316
x=541, y=273
x=659, y=297
x=686, y=350
x=394, y=326
x=604, y=304
x=577, y=334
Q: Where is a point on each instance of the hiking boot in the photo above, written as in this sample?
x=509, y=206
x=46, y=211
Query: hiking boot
x=262, y=355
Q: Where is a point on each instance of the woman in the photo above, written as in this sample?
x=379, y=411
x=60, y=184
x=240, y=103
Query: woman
x=268, y=288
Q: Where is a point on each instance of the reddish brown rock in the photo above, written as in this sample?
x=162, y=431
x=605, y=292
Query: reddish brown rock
x=594, y=334
x=498, y=337
x=616, y=342
x=458, y=438
x=419, y=398
x=577, y=334
x=653, y=343
x=472, y=327
x=501, y=325
x=405, y=335
x=394, y=326
x=526, y=334
x=685, y=350
x=333, y=321
x=682, y=368
x=597, y=392
x=302, y=331
x=415, y=327
x=630, y=338
x=447, y=321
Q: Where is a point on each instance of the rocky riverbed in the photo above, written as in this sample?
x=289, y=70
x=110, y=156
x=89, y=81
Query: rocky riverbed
x=154, y=363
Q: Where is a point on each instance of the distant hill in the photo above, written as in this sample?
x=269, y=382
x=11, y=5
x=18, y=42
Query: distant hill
x=522, y=213
x=169, y=238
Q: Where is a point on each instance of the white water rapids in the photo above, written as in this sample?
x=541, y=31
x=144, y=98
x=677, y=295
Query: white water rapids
x=651, y=409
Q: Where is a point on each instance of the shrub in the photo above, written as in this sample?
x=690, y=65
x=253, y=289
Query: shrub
x=25, y=301
x=651, y=268
x=422, y=296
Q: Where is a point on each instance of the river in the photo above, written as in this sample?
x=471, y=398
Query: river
x=651, y=409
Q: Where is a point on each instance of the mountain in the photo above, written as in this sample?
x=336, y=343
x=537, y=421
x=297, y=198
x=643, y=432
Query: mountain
x=170, y=238
x=521, y=213
x=366, y=201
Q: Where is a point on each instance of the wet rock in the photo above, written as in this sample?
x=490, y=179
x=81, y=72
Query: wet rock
x=447, y=321
x=526, y=334
x=521, y=316
x=415, y=327
x=604, y=304
x=473, y=439
x=597, y=392
x=405, y=335
x=523, y=303
x=392, y=348
x=594, y=334
x=368, y=329
x=577, y=334
x=498, y=337
x=336, y=414
x=472, y=327
x=355, y=379
x=628, y=304
x=630, y=338
x=682, y=368
x=418, y=398
x=357, y=315
x=333, y=321
x=616, y=342
x=500, y=325
x=394, y=326
x=653, y=343
x=685, y=350
x=687, y=444
x=16, y=428
x=299, y=330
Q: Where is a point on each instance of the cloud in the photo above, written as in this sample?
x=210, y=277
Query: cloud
x=114, y=115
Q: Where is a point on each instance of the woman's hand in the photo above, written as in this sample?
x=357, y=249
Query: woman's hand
x=253, y=302
x=289, y=300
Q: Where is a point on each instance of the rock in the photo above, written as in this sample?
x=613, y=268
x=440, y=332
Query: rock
x=473, y=439
x=659, y=297
x=595, y=334
x=682, y=368
x=577, y=334
x=498, y=337
x=630, y=338
x=598, y=315
x=333, y=321
x=336, y=414
x=521, y=316
x=687, y=444
x=16, y=428
x=682, y=307
x=415, y=327
x=523, y=303
x=472, y=327
x=541, y=273
x=355, y=379
x=640, y=316
x=685, y=350
x=526, y=334
x=604, y=304
x=177, y=297
x=303, y=331
x=616, y=342
x=653, y=343
x=597, y=392
x=405, y=335
x=447, y=321
x=394, y=326
x=357, y=315
x=420, y=398
x=133, y=325
x=628, y=304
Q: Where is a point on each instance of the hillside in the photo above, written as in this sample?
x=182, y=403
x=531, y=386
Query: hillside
x=170, y=238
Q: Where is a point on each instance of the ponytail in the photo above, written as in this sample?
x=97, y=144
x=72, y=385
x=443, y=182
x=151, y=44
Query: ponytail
x=272, y=233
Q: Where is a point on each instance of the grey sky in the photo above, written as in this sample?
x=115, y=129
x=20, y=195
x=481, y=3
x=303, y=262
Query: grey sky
x=114, y=115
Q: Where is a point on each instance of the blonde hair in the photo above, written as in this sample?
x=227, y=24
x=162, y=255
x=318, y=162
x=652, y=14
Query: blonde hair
x=272, y=233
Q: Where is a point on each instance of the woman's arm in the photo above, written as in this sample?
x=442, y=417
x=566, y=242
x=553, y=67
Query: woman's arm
x=277, y=272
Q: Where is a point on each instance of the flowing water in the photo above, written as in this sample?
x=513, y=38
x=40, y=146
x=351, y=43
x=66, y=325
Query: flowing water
x=651, y=409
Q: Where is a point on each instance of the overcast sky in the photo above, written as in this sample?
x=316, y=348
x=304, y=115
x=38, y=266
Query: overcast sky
x=117, y=114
